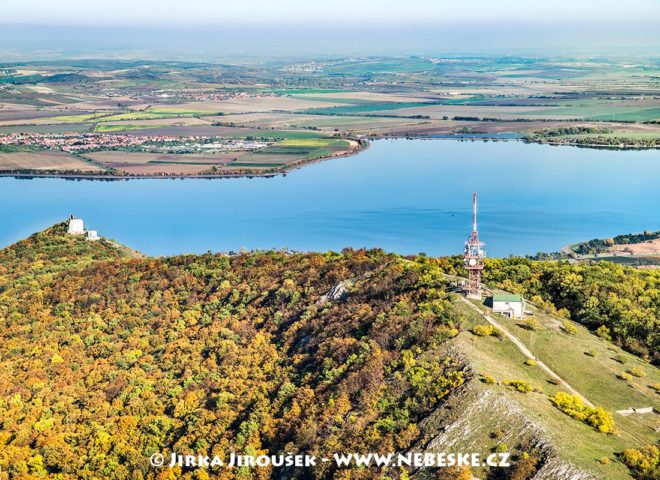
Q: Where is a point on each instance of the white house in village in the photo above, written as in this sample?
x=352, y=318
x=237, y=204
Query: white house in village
x=76, y=226
x=92, y=235
x=512, y=306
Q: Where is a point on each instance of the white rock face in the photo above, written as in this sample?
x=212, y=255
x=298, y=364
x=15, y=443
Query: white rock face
x=335, y=293
x=76, y=227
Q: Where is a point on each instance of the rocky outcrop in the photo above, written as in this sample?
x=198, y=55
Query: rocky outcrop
x=335, y=294
x=469, y=417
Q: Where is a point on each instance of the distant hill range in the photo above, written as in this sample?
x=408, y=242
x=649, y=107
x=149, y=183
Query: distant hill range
x=632, y=243
x=633, y=249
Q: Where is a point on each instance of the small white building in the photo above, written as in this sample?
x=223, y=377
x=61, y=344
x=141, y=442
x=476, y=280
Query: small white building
x=92, y=235
x=76, y=226
x=512, y=306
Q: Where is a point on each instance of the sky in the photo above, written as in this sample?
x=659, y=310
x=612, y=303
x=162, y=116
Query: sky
x=329, y=27
x=205, y=12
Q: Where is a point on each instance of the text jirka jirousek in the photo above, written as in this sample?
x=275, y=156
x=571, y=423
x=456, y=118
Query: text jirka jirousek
x=410, y=459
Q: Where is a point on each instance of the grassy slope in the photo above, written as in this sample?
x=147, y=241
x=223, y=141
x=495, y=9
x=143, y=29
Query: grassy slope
x=592, y=376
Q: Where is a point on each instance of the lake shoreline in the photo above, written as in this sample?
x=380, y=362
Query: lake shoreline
x=362, y=145
x=27, y=175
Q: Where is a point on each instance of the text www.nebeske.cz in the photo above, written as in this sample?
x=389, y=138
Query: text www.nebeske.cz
x=418, y=460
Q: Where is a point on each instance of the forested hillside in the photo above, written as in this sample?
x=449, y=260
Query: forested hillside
x=107, y=357
x=106, y=360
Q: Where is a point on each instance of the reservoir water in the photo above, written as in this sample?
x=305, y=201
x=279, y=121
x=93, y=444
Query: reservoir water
x=405, y=196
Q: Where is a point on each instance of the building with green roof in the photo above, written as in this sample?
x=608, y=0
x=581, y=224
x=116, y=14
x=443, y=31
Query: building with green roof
x=510, y=305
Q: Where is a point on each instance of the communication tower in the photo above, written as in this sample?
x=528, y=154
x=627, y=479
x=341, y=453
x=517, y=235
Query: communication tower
x=474, y=256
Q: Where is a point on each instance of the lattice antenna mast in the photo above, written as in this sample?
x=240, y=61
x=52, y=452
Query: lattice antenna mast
x=474, y=256
x=474, y=212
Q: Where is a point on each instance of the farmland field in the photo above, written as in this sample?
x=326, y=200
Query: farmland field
x=311, y=142
x=60, y=128
x=357, y=97
x=102, y=128
x=140, y=116
x=366, y=108
x=162, y=121
x=356, y=125
x=241, y=105
x=281, y=154
x=137, y=163
x=642, y=115
x=44, y=118
x=44, y=161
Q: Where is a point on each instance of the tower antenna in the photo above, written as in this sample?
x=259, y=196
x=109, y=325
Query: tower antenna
x=474, y=256
x=474, y=212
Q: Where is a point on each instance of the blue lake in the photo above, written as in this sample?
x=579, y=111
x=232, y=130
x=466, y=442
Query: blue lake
x=406, y=196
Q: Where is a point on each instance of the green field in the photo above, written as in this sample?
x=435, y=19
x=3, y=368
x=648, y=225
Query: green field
x=74, y=118
x=641, y=115
x=352, y=101
x=367, y=108
x=312, y=142
x=100, y=128
x=601, y=112
x=143, y=115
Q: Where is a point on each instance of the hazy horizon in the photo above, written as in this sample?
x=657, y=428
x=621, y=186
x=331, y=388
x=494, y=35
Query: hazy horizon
x=207, y=30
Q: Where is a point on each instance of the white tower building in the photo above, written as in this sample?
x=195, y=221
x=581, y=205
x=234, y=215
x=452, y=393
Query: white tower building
x=76, y=226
